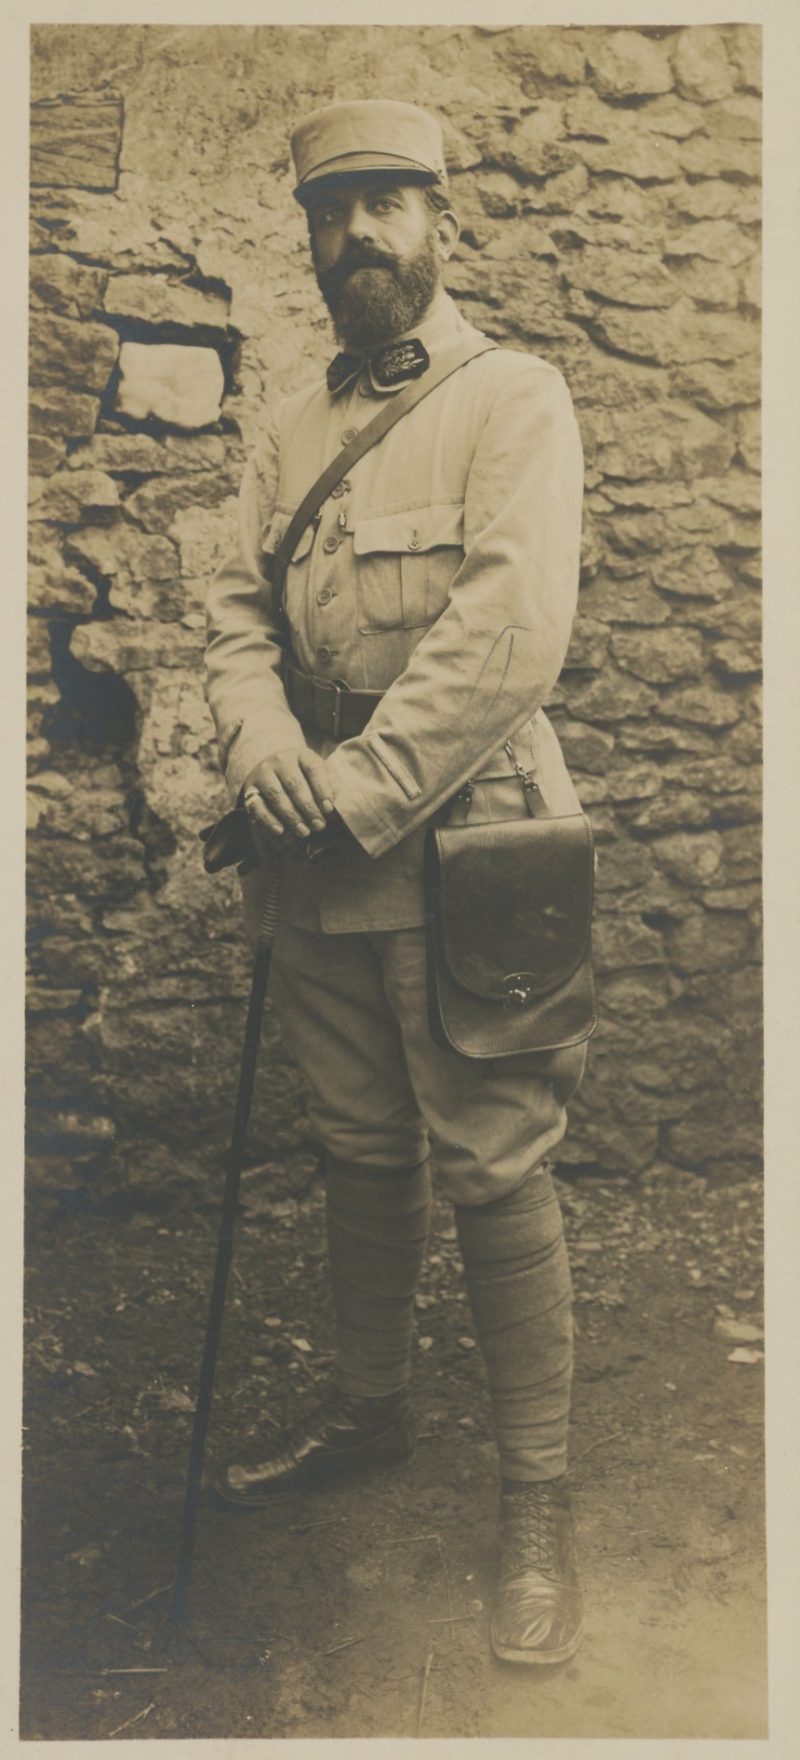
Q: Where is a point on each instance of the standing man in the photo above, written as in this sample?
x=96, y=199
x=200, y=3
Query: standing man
x=427, y=612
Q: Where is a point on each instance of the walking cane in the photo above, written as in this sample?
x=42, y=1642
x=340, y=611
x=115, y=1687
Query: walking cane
x=241, y=1117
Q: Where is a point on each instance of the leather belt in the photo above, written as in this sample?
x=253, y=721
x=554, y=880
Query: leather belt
x=330, y=708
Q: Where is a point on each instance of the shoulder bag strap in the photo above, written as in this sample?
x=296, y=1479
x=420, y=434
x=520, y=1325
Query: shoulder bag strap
x=392, y=411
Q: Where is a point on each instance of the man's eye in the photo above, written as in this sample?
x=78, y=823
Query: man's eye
x=383, y=204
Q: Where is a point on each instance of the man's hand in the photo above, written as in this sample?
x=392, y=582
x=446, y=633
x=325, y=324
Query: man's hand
x=287, y=793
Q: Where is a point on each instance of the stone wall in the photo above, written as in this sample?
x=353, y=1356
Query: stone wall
x=608, y=186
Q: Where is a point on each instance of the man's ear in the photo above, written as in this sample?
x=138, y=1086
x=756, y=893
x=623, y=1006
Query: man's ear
x=447, y=231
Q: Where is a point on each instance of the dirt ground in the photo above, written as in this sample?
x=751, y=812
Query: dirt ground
x=363, y=1610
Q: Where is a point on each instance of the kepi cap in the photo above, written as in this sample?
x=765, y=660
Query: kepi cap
x=367, y=134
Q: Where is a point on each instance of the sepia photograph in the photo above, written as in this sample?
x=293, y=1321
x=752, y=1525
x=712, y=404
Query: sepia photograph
x=394, y=1275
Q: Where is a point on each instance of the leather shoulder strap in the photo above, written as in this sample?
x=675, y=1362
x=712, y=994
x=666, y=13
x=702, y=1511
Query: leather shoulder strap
x=392, y=411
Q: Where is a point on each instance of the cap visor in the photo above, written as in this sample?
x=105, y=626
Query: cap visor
x=337, y=172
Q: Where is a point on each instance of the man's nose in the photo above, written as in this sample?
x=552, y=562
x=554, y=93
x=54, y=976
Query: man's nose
x=360, y=222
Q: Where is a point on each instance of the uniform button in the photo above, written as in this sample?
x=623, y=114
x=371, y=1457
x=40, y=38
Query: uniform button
x=325, y=596
x=365, y=390
x=330, y=545
x=413, y=543
x=339, y=490
x=348, y=435
x=324, y=654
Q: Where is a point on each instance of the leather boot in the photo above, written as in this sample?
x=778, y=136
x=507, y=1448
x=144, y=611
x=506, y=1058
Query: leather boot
x=339, y=1436
x=538, y=1611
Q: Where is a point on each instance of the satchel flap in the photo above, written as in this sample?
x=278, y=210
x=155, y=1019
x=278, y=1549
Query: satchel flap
x=515, y=901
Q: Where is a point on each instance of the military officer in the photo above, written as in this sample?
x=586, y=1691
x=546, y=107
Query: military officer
x=429, y=607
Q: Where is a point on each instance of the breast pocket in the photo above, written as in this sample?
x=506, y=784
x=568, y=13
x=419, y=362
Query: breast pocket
x=405, y=563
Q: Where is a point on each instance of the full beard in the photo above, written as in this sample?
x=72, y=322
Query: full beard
x=372, y=299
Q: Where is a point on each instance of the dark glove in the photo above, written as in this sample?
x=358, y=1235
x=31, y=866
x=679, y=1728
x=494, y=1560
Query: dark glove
x=228, y=842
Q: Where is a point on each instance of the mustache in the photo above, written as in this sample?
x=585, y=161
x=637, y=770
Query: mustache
x=355, y=257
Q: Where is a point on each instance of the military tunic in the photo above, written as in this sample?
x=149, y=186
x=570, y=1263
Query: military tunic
x=443, y=572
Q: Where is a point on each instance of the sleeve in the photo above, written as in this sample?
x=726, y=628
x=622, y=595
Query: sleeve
x=243, y=653
x=494, y=654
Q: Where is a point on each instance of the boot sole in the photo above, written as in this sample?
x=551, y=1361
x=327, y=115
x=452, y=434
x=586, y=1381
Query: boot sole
x=537, y=1658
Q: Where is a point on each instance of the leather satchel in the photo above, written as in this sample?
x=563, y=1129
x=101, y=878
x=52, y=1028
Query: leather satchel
x=509, y=910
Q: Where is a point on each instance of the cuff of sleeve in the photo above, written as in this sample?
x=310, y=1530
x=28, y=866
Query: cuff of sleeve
x=357, y=787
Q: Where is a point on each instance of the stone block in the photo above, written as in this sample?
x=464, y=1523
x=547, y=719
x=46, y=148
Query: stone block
x=205, y=537
x=54, y=410
x=626, y=600
x=64, y=352
x=706, y=705
x=672, y=116
x=713, y=199
x=588, y=645
x=585, y=747
x=618, y=199
x=737, y=119
x=711, y=286
x=70, y=496
x=59, y=284
x=131, y=455
x=611, y=697
x=718, y=241
x=158, y=299
x=718, y=388
x=672, y=808
x=633, y=782
x=623, y=941
x=701, y=65
x=60, y=864
x=122, y=550
x=630, y=278
x=38, y=648
x=740, y=490
x=499, y=194
x=157, y=504
x=76, y=140
x=702, y=156
x=45, y=456
x=558, y=194
x=744, y=45
x=631, y=153
x=52, y=585
x=532, y=148
x=182, y=386
x=752, y=284
x=124, y=645
x=739, y=659
x=667, y=440
x=659, y=656
x=586, y=117
x=678, y=335
x=557, y=55
x=699, y=1139
x=692, y=859
x=633, y=998
x=628, y=65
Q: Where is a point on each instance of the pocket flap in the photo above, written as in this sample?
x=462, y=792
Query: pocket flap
x=273, y=533
x=414, y=530
x=515, y=903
